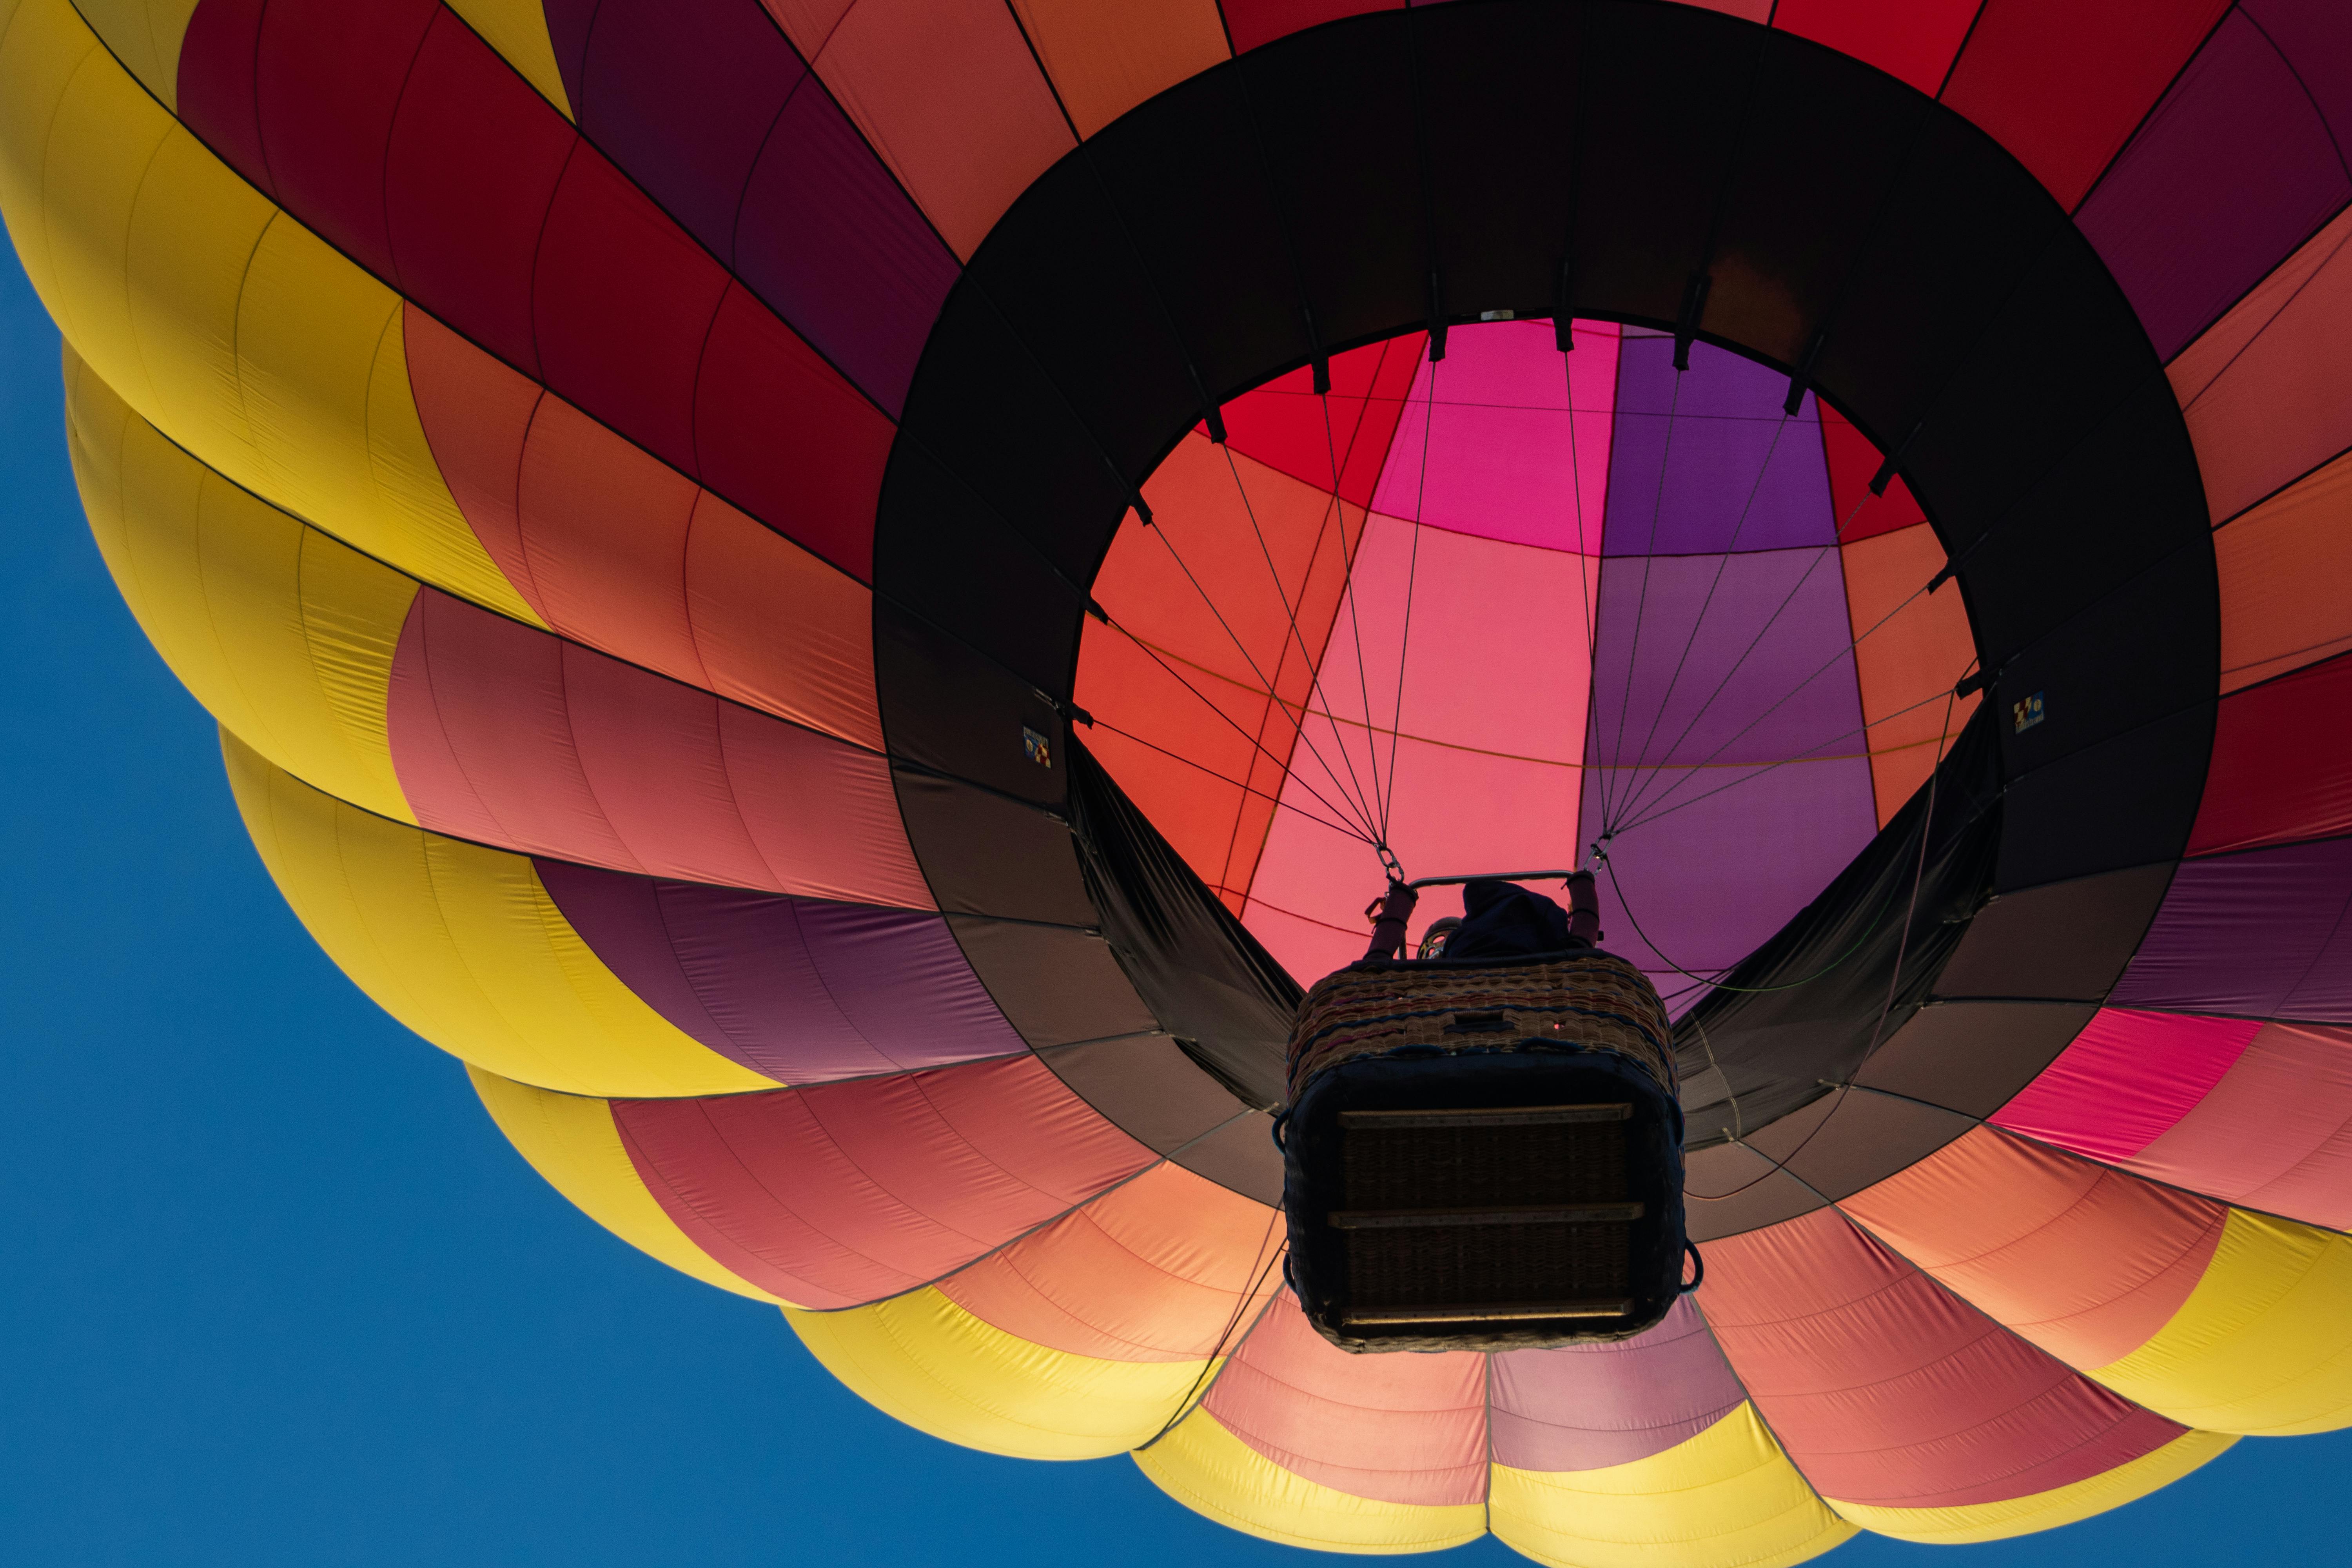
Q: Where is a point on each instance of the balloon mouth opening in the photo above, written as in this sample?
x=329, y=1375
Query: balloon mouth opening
x=1520, y=606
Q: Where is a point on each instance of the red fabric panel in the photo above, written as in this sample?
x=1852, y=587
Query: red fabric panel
x=1399, y=1428
x=614, y=549
x=622, y=302
x=2282, y=768
x=216, y=83
x=1853, y=461
x=1885, y=1389
x=466, y=227
x=1168, y=1267
x=2083, y=1261
x=780, y=434
x=515, y=738
x=1914, y=41
x=1282, y=423
x=2063, y=87
x=2275, y=1133
x=842, y=1194
x=1249, y=23
x=2126, y=1077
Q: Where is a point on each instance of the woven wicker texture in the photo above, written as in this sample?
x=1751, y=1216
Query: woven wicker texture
x=1591, y=1001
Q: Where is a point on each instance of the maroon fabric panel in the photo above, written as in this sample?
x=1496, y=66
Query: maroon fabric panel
x=2282, y=766
x=801, y=990
x=1885, y=1389
x=2182, y=226
x=216, y=83
x=1585, y=1407
x=2266, y=934
x=840, y=1194
x=424, y=155
x=706, y=105
x=783, y=436
x=622, y=302
x=466, y=227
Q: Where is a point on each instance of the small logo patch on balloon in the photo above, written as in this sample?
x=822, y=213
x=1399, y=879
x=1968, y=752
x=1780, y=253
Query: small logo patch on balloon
x=1040, y=750
x=2027, y=712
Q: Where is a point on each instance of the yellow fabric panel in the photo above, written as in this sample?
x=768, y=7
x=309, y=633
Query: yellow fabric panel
x=146, y=36
x=2263, y=1345
x=1725, y=1498
x=2043, y=1510
x=570, y=1141
x=463, y=944
x=233, y=329
x=518, y=30
x=924, y=1359
x=284, y=635
x=1215, y=1474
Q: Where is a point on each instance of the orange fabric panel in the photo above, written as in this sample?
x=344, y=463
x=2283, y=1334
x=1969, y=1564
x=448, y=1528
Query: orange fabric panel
x=1170, y=1266
x=947, y=93
x=617, y=549
x=1108, y=56
x=2085, y=1262
x=2284, y=598
x=1906, y=664
x=1210, y=785
x=2260, y=388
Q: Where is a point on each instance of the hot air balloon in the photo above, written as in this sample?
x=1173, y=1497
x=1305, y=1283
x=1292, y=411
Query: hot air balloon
x=847, y=598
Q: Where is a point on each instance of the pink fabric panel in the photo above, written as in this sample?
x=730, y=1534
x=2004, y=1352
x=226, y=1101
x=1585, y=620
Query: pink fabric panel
x=1398, y=1429
x=842, y=1194
x=2085, y=1262
x=2275, y=1133
x=1510, y=738
x=1885, y=1389
x=2126, y=1077
x=1512, y=453
x=505, y=735
x=1587, y=1407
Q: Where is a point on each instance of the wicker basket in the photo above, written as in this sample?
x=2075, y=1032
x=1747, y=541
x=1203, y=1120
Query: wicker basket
x=1482, y=1156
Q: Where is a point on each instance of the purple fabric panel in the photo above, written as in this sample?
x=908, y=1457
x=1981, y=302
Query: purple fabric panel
x=802, y=989
x=2315, y=37
x=1584, y=1408
x=828, y=238
x=681, y=93
x=1711, y=880
x=1739, y=475
x=1723, y=659
x=567, y=25
x=2265, y=935
x=2234, y=168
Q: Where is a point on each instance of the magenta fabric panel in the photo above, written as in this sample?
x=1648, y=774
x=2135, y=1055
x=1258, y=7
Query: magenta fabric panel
x=1586, y=1408
x=1397, y=1429
x=1885, y=1389
x=2127, y=1078
x=2264, y=935
x=802, y=989
x=2179, y=223
x=1687, y=450
x=840, y=1194
x=2275, y=1134
x=706, y=105
x=512, y=737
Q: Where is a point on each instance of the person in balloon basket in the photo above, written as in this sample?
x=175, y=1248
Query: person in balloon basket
x=1499, y=919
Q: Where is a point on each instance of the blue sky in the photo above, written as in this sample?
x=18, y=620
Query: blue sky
x=276, y=1291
